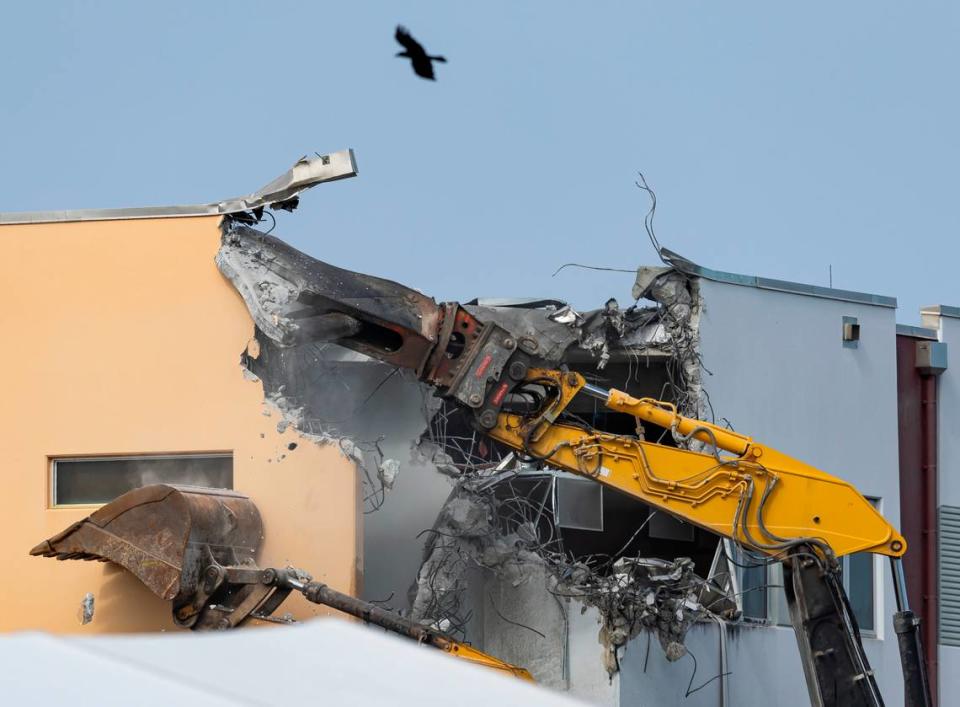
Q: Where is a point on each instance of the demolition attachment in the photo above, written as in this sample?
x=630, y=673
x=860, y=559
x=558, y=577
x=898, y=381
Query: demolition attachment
x=196, y=547
x=168, y=536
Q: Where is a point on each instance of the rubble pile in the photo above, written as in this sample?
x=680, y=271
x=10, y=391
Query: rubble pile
x=476, y=529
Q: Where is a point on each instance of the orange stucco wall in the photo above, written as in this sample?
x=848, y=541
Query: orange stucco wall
x=121, y=337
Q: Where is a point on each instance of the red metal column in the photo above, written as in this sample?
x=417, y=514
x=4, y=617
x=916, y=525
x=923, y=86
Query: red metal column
x=931, y=561
x=917, y=436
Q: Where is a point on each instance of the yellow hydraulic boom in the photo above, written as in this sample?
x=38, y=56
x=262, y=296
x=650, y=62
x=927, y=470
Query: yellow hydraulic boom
x=760, y=497
x=766, y=501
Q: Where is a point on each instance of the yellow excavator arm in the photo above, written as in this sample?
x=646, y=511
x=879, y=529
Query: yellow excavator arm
x=762, y=499
x=754, y=494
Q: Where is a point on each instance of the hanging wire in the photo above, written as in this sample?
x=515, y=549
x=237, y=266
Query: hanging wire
x=651, y=213
x=273, y=219
x=591, y=267
x=690, y=688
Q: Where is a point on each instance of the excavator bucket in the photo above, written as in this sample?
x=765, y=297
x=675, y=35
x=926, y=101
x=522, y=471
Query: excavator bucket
x=165, y=535
x=195, y=546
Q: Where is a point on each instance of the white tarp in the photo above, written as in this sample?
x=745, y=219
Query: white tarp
x=326, y=661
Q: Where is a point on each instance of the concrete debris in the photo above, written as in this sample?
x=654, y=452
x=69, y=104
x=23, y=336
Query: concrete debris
x=603, y=329
x=560, y=331
x=387, y=472
x=653, y=594
x=291, y=415
x=273, y=279
x=680, y=307
x=637, y=594
x=325, y=398
x=646, y=274
x=266, y=294
x=464, y=536
x=566, y=315
x=86, y=609
x=327, y=393
x=350, y=450
x=466, y=517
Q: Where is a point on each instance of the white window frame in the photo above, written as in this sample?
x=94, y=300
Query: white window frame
x=776, y=601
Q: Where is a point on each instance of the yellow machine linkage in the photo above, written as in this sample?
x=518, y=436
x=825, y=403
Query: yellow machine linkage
x=760, y=497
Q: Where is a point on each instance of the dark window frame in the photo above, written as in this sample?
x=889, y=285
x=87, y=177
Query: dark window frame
x=774, y=602
x=52, y=496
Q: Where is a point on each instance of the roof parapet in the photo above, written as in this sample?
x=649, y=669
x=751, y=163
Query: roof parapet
x=283, y=192
x=690, y=268
x=917, y=332
x=941, y=310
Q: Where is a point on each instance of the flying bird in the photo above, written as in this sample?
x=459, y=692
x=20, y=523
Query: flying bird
x=413, y=50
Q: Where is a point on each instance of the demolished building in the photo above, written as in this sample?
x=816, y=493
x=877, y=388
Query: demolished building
x=536, y=566
x=594, y=592
x=502, y=524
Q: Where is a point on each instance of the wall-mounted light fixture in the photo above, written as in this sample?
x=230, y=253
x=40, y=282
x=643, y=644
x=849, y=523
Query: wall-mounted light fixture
x=851, y=332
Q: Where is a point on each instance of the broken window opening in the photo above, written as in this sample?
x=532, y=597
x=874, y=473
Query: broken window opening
x=632, y=528
x=625, y=526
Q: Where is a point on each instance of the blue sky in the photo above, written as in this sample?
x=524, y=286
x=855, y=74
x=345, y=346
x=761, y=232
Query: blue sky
x=780, y=138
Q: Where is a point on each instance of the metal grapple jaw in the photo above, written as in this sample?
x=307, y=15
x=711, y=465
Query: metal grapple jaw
x=296, y=299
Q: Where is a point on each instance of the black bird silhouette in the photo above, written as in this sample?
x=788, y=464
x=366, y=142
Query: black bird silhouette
x=412, y=49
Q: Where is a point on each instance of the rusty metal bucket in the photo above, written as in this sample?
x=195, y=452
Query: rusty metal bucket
x=195, y=546
x=165, y=535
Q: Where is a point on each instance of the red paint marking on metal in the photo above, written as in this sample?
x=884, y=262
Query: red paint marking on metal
x=501, y=391
x=484, y=365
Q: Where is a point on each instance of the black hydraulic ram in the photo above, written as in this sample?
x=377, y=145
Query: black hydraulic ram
x=916, y=688
x=320, y=593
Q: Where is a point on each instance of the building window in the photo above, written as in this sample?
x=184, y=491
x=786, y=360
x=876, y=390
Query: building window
x=753, y=587
x=578, y=503
x=96, y=480
x=763, y=598
x=858, y=580
x=851, y=332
